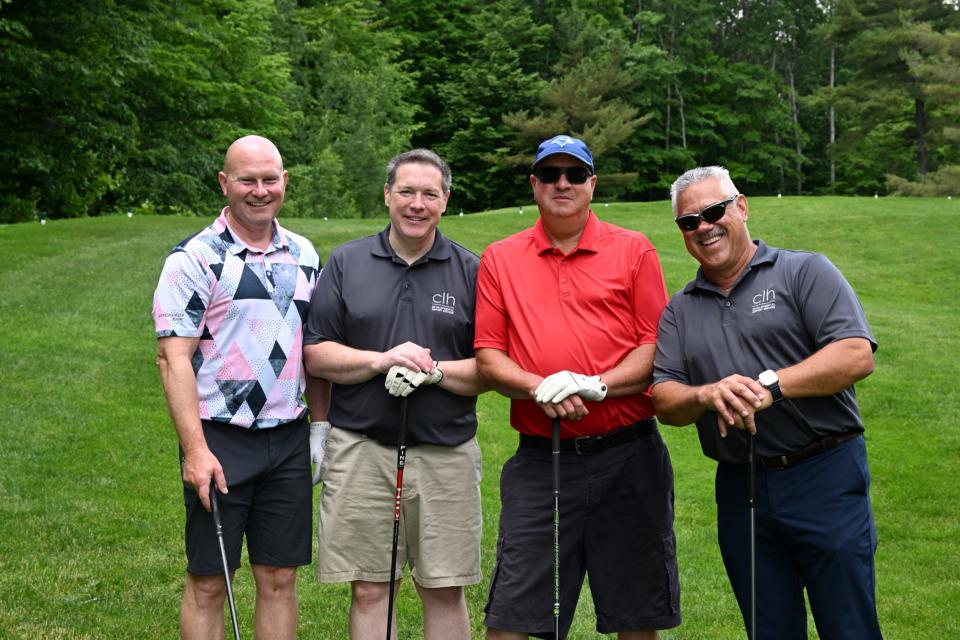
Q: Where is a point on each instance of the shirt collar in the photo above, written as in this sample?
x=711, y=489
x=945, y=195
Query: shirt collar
x=588, y=238
x=763, y=255
x=439, y=251
x=235, y=245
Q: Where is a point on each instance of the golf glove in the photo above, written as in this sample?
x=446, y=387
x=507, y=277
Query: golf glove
x=402, y=381
x=558, y=386
x=318, y=446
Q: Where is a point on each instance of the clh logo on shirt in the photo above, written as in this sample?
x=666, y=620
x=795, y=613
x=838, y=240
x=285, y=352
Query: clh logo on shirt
x=444, y=302
x=765, y=301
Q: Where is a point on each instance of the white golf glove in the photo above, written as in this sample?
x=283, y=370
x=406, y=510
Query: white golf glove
x=558, y=386
x=318, y=446
x=402, y=381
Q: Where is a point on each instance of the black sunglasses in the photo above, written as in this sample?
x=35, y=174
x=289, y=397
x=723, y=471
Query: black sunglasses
x=691, y=221
x=550, y=175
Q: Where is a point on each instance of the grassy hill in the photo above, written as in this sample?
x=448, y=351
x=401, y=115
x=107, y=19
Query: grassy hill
x=90, y=516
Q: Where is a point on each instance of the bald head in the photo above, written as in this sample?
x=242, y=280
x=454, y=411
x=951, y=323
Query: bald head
x=253, y=180
x=250, y=148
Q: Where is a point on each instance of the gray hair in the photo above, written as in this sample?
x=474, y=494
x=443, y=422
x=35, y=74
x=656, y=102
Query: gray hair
x=422, y=156
x=699, y=174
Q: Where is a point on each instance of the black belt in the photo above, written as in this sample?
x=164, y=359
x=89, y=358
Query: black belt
x=825, y=444
x=589, y=445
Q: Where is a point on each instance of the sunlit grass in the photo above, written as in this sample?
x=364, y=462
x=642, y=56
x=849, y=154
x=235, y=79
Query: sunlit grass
x=90, y=515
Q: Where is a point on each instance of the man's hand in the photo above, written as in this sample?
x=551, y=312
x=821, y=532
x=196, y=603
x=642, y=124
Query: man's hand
x=734, y=399
x=402, y=381
x=200, y=466
x=318, y=446
x=557, y=387
x=407, y=354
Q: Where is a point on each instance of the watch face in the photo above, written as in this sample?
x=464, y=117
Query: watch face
x=768, y=378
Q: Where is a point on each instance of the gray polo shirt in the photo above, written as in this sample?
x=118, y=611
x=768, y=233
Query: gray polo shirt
x=786, y=306
x=368, y=298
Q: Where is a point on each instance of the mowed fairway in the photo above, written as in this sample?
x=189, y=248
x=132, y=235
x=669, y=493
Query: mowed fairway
x=90, y=513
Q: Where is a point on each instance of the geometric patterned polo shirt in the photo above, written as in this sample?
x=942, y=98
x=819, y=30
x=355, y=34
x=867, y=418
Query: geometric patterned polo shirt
x=248, y=308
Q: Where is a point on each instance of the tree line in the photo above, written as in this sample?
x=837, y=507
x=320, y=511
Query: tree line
x=111, y=106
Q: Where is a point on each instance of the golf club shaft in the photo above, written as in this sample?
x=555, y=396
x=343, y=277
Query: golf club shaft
x=214, y=504
x=401, y=463
x=556, y=527
x=753, y=538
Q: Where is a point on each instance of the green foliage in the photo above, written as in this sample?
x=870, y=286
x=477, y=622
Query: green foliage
x=945, y=181
x=107, y=105
x=355, y=116
x=904, y=58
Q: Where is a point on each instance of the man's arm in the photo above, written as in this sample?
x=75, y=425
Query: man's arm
x=180, y=387
x=317, y=394
x=633, y=374
x=462, y=377
x=345, y=365
x=830, y=370
x=505, y=376
x=734, y=399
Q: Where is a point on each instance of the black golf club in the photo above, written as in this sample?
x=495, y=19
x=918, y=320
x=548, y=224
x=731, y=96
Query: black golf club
x=751, y=500
x=401, y=462
x=556, y=528
x=223, y=557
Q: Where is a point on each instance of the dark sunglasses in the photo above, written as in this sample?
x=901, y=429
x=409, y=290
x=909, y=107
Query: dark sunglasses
x=550, y=175
x=691, y=221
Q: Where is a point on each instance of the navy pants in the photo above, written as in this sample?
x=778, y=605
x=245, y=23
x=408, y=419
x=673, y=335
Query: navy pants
x=815, y=531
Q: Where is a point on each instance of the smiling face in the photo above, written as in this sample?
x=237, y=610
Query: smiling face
x=253, y=181
x=416, y=201
x=723, y=248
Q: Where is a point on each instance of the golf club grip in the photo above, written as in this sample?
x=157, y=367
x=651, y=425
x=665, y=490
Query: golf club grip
x=215, y=508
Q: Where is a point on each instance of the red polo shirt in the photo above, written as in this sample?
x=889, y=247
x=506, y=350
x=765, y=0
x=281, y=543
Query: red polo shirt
x=583, y=312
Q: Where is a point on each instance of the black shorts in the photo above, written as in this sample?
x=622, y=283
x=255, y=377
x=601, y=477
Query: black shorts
x=269, y=500
x=616, y=524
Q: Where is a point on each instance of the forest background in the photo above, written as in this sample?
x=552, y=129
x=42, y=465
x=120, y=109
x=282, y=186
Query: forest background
x=110, y=106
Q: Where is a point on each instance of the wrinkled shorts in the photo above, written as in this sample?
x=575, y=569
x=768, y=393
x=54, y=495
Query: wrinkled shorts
x=441, y=520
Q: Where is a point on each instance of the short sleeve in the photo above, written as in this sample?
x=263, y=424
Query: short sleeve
x=491, y=316
x=669, y=364
x=325, y=318
x=182, y=296
x=650, y=296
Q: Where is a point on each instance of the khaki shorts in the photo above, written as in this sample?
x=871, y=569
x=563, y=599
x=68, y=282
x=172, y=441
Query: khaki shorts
x=440, y=517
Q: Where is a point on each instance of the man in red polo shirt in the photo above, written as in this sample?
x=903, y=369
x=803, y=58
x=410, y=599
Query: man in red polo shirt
x=567, y=315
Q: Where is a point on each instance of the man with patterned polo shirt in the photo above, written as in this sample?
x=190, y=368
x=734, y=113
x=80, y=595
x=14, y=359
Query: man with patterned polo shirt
x=229, y=312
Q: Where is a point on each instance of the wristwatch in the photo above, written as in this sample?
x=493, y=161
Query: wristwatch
x=769, y=380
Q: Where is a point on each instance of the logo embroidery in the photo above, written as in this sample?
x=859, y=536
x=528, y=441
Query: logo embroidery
x=444, y=302
x=765, y=301
x=561, y=141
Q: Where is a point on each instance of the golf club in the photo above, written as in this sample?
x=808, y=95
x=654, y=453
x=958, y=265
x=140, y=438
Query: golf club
x=556, y=528
x=401, y=462
x=751, y=500
x=223, y=557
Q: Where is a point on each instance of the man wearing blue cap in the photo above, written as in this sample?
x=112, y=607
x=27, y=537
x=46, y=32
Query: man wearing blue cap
x=567, y=315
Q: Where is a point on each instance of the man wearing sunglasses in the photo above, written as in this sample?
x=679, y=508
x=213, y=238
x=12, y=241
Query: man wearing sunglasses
x=566, y=327
x=766, y=343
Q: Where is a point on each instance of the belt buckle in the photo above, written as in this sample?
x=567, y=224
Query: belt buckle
x=586, y=441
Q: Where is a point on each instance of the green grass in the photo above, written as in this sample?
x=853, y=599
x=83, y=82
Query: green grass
x=90, y=518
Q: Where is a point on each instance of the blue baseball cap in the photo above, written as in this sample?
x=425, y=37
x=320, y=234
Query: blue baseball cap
x=564, y=144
